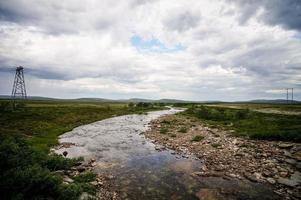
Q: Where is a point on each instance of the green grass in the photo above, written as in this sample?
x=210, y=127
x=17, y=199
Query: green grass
x=197, y=138
x=250, y=123
x=163, y=130
x=43, y=121
x=26, y=135
x=215, y=145
x=183, y=130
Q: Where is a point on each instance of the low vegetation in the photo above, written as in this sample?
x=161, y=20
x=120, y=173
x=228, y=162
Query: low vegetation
x=250, y=123
x=28, y=132
x=197, y=138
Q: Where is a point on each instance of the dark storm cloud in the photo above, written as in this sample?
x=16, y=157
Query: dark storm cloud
x=286, y=13
x=52, y=17
x=17, y=11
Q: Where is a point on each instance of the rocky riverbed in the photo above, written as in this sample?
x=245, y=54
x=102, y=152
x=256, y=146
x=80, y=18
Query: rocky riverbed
x=183, y=160
x=274, y=164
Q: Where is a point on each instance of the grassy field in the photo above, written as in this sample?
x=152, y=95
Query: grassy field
x=28, y=132
x=42, y=121
x=249, y=122
x=290, y=109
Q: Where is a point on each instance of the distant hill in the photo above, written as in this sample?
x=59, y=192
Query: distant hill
x=136, y=100
x=274, y=101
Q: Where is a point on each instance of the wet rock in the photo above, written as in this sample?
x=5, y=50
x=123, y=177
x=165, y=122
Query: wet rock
x=297, y=155
x=208, y=194
x=287, y=182
x=65, y=153
x=251, y=177
x=285, y=145
x=271, y=180
x=290, y=161
x=298, y=165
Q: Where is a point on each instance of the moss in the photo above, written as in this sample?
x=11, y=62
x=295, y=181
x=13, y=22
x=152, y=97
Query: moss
x=197, y=138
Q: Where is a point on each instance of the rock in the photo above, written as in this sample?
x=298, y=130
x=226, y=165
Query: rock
x=208, y=194
x=85, y=196
x=290, y=161
x=298, y=165
x=287, y=182
x=285, y=145
x=94, y=183
x=65, y=153
x=283, y=174
x=258, y=176
x=271, y=180
x=252, y=177
x=297, y=155
x=67, y=179
x=59, y=172
x=204, y=168
x=81, y=169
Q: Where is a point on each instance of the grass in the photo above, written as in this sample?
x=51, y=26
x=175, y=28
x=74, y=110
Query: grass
x=197, y=138
x=215, y=145
x=250, y=123
x=28, y=132
x=163, y=130
x=183, y=130
x=43, y=121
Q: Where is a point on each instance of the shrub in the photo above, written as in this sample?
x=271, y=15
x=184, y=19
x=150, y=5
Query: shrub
x=163, y=130
x=197, y=138
x=27, y=173
x=215, y=145
x=183, y=130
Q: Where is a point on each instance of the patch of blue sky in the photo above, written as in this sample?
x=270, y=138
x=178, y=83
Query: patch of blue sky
x=297, y=35
x=154, y=45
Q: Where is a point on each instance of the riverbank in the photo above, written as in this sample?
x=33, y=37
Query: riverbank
x=274, y=164
x=28, y=132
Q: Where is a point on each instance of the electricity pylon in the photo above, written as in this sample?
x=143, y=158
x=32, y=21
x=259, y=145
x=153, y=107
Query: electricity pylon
x=19, y=90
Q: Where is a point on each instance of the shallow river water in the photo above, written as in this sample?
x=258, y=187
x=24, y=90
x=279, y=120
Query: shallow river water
x=142, y=172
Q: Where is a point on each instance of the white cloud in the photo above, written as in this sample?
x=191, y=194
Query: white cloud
x=76, y=49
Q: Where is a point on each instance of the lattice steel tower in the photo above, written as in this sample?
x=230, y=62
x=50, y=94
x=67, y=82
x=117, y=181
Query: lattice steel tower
x=19, y=90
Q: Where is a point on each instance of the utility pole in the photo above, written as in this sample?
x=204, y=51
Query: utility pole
x=292, y=95
x=19, y=90
x=286, y=95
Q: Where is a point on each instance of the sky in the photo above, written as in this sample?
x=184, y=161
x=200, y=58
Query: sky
x=227, y=50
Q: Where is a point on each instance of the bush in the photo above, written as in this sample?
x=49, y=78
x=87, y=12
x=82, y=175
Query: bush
x=27, y=173
x=197, y=138
x=163, y=130
x=183, y=130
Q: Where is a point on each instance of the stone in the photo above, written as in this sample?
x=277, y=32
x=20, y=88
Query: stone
x=290, y=161
x=81, y=169
x=283, y=174
x=208, y=194
x=94, y=183
x=285, y=145
x=67, y=179
x=288, y=182
x=297, y=155
x=250, y=177
x=298, y=165
x=65, y=153
x=271, y=180
x=85, y=196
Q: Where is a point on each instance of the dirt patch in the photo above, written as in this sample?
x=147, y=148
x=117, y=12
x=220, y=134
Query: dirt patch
x=275, y=164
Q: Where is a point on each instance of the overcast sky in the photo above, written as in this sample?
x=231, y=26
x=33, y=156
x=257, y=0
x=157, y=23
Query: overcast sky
x=184, y=49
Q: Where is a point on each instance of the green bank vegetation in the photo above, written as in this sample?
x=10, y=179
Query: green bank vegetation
x=28, y=132
x=252, y=124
